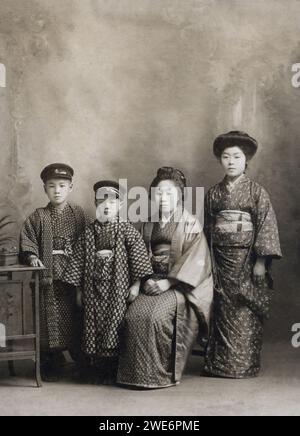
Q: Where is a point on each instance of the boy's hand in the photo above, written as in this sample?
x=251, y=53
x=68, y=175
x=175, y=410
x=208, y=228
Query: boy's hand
x=35, y=262
x=134, y=292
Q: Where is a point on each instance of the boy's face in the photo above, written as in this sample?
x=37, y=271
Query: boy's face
x=107, y=209
x=58, y=190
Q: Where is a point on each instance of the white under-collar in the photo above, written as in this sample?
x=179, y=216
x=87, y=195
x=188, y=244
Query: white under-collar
x=165, y=220
x=231, y=185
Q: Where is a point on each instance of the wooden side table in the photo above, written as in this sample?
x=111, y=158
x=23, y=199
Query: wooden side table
x=13, y=317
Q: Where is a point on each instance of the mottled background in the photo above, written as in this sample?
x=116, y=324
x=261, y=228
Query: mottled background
x=117, y=88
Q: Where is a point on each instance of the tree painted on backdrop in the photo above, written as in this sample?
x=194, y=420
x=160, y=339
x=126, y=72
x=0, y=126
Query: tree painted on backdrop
x=2, y=76
x=2, y=336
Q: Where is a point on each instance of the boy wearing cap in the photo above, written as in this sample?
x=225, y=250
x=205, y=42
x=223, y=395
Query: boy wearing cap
x=47, y=238
x=109, y=261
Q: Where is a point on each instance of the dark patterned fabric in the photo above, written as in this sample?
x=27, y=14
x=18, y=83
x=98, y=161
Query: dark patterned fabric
x=106, y=282
x=60, y=319
x=148, y=347
x=162, y=235
x=64, y=234
x=240, y=305
x=46, y=230
x=148, y=353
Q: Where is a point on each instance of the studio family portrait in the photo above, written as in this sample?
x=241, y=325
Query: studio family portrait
x=149, y=209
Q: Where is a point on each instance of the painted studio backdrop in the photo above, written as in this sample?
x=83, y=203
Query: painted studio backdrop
x=119, y=88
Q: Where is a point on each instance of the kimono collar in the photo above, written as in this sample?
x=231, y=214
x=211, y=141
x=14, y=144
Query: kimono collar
x=231, y=185
x=55, y=210
x=109, y=225
x=164, y=221
x=174, y=217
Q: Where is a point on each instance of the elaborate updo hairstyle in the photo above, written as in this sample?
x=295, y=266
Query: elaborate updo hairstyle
x=236, y=138
x=170, y=173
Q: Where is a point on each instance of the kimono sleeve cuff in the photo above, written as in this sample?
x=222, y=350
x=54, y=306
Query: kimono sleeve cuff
x=25, y=256
x=32, y=249
x=76, y=283
x=176, y=276
x=269, y=254
x=144, y=276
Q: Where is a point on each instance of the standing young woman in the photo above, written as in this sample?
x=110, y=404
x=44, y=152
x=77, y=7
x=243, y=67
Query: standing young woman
x=242, y=231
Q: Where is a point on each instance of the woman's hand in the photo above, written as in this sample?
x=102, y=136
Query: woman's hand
x=35, y=262
x=79, y=297
x=259, y=271
x=165, y=285
x=153, y=288
x=134, y=292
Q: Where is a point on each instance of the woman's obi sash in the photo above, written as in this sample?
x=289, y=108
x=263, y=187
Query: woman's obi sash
x=160, y=260
x=233, y=228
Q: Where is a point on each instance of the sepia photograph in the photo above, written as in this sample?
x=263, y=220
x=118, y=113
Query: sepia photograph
x=149, y=211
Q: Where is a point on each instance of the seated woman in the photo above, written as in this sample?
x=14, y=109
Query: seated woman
x=162, y=324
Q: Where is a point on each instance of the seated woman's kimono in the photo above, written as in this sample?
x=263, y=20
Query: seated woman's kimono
x=241, y=226
x=161, y=330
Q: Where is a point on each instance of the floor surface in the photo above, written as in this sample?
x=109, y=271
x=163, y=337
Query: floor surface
x=275, y=392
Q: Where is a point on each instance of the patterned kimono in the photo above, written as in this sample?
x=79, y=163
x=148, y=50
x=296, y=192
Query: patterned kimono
x=50, y=235
x=241, y=226
x=106, y=278
x=161, y=330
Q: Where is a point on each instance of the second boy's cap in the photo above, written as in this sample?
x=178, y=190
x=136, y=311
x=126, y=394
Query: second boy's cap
x=108, y=188
x=57, y=171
